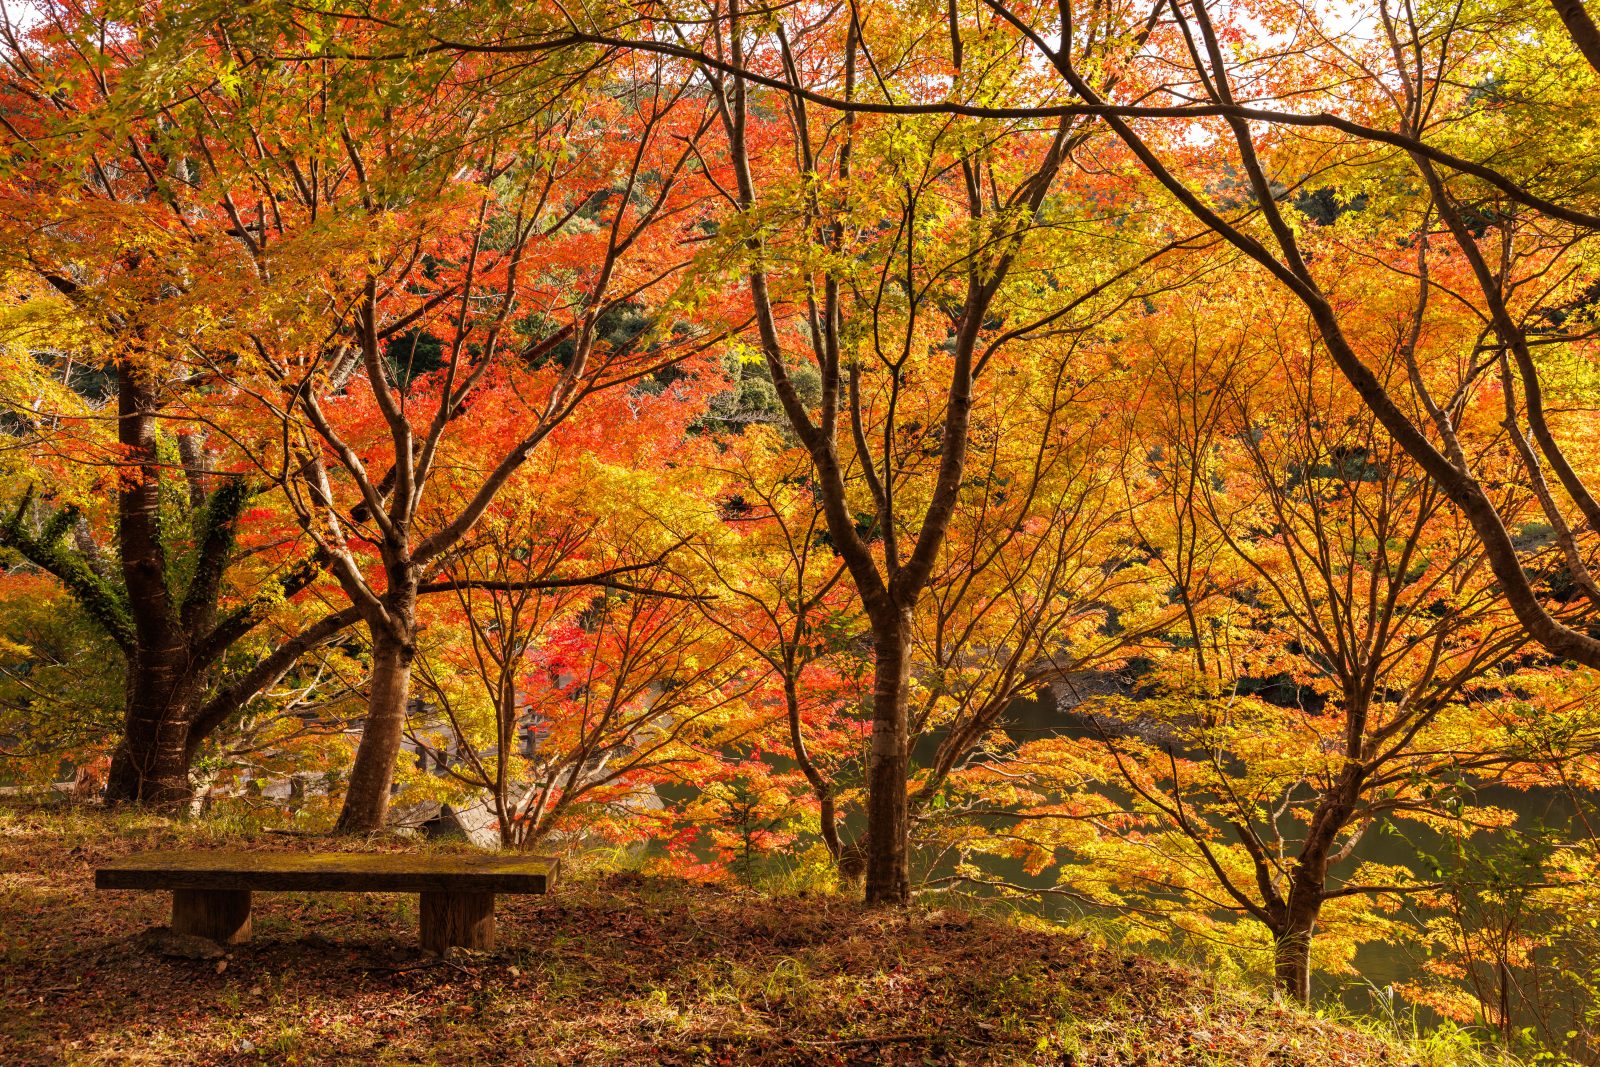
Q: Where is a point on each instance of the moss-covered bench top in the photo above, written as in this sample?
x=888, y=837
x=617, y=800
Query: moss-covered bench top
x=369, y=872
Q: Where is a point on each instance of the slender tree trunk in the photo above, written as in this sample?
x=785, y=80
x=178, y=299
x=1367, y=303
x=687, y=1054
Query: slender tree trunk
x=1292, y=938
x=151, y=762
x=505, y=740
x=888, y=816
x=366, y=802
x=821, y=788
x=828, y=823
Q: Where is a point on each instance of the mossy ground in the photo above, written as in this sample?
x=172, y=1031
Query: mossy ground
x=610, y=969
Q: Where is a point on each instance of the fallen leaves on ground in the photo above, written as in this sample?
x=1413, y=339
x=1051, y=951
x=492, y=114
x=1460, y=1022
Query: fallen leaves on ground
x=624, y=969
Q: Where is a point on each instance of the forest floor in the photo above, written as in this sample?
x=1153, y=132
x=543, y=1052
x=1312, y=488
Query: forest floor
x=617, y=969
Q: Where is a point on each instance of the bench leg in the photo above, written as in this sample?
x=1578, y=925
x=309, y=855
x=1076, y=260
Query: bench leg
x=223, y=915
x=464, y=919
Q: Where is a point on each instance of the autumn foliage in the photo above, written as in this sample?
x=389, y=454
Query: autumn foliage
x=709, y=431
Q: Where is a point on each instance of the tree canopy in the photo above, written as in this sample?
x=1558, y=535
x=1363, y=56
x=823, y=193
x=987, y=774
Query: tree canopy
x=712, y=428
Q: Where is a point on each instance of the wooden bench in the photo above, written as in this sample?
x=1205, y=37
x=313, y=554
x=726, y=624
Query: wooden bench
x=211, y=890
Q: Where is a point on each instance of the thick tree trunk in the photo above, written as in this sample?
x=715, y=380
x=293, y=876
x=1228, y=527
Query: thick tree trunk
x=1291, y=959
x=366, y=802
x=151, y=762
x=143, y=770
x=169, y=637
x=1581, y=28
x=888, y=816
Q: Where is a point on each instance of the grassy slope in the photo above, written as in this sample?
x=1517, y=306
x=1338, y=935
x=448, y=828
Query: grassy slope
x=622, y=969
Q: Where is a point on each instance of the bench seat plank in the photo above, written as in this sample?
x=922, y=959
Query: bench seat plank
x=356, y=872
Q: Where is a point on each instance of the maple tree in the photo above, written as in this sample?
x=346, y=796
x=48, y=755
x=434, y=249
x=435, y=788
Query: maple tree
x=711, y=423
x=99, y=382
x=559, y=701
x=1348, y=666
x=410, y=263
x=786, y=601
x=883, y=282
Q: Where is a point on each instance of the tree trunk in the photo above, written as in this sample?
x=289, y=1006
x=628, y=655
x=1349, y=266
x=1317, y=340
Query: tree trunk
x=828, y=823
x=151, y=762
x=366, y=802
x=141, y=773
x=1291, y=958
x=1581, y=28
x=821, y=788
x=888, y=818
x=1298, y=920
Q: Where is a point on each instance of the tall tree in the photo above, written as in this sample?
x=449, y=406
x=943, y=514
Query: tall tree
x=931, y=216
x=1356, y=672
x=109, y=236
x=1234, y=127
x=432, y=239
